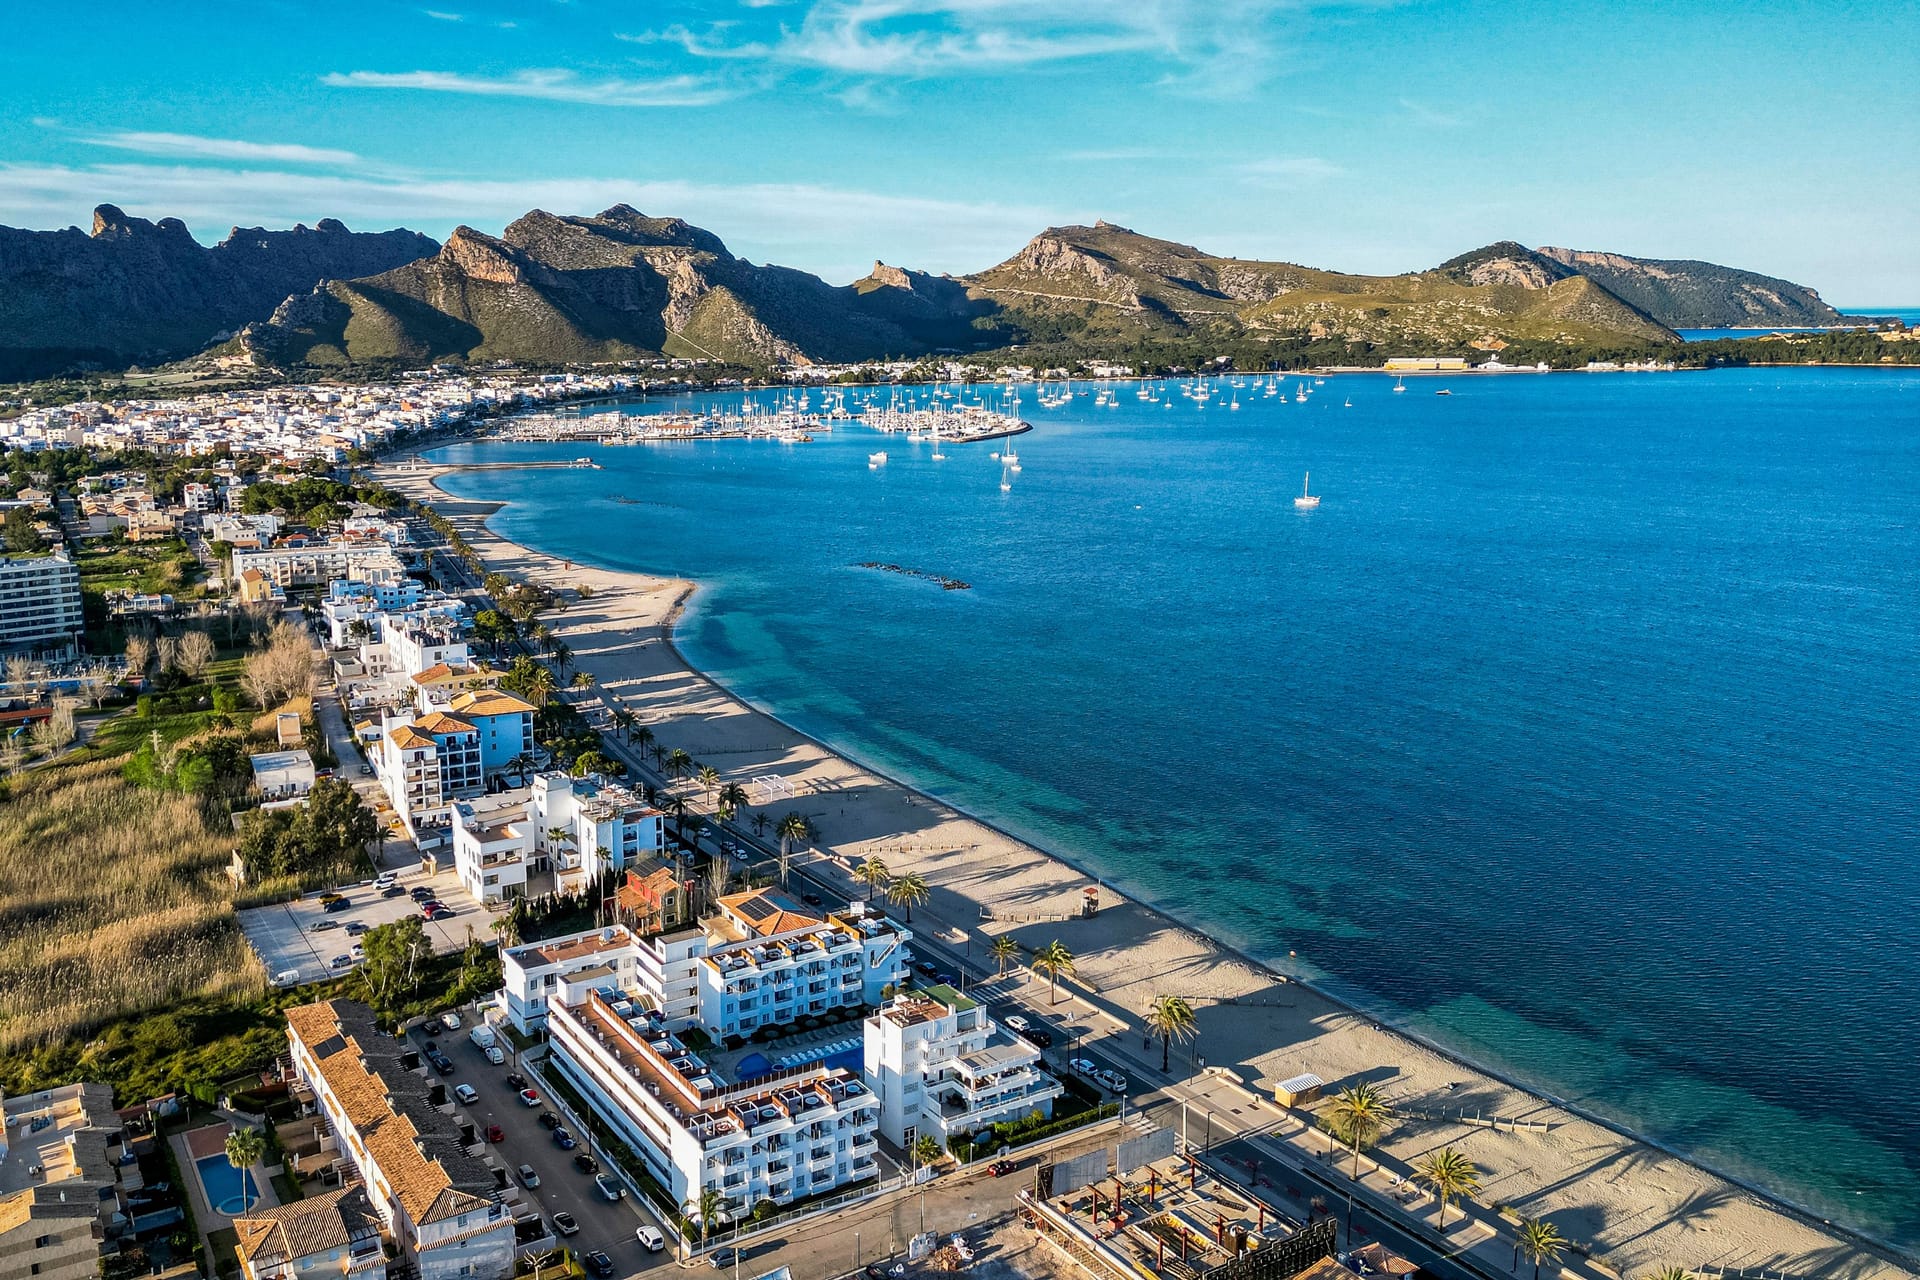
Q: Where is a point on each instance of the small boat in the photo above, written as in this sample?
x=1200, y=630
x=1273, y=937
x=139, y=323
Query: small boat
x=1349, y=403
x=1011, y=459
x=1006, y=485
x=876, y=460
x=1443, y=392
x=1306, y=501
x=1399, y=384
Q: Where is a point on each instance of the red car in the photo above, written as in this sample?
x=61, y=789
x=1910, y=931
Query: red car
x=1000, y=1168
x=433, y=911
x=496, y=1134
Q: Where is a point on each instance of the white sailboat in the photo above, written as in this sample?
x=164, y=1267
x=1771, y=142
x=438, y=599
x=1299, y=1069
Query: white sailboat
x=1306, y=501
x=1006, y=485
x=876, y=460
x=1399, y=384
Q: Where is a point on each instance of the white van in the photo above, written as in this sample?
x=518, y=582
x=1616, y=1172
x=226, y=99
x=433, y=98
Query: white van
x=481, y=1035
x=649, y=1236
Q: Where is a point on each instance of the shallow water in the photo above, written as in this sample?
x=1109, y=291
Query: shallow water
x=1575, y=729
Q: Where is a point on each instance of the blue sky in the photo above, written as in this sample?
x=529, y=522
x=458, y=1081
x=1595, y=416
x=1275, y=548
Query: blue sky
x=941, y=134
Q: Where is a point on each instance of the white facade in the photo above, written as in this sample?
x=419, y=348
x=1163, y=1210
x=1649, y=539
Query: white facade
x=942, y=1067
x=284, y=777
x=322, y=562
x=492, y=838
x=40, y=606
x=772, y=1139
x=531, y=975
x=607, y=827
x=769, y=962
x=447, y=1208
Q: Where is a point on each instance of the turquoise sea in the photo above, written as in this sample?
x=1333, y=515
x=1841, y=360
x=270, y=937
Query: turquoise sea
x=1577, y=729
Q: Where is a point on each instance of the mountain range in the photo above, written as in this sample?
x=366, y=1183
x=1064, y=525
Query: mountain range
x=620, y=285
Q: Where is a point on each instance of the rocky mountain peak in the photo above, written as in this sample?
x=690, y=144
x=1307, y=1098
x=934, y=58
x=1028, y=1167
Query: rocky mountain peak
x=482, y=257
x=894, y=277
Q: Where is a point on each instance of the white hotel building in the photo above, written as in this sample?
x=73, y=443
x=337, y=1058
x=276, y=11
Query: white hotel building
x=943, y=1068
x=777, y=1138
x=760, y=961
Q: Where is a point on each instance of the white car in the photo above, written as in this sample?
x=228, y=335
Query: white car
x=649, y=1237
x=1113, y=1080
x=1083, y=1065
x=450, y=1020
x=1014, y=1022
x=466, y=1093
x=495, y=1054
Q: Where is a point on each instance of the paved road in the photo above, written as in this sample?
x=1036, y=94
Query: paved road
x=283, y=936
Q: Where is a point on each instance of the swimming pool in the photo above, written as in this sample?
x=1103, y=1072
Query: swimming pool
x=229, y=1190
x=849, y=1054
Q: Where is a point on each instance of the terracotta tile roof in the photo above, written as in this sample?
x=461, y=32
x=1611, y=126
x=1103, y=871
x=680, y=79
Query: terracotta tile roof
x=406, y=737
x=306, y=1227
x=489, y=702
x=440, y=722
x=415, y=1145
x=767, y=914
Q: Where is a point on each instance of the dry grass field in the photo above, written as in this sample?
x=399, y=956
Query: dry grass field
x=112, y=901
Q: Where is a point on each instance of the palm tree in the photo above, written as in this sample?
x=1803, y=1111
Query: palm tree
x=678, y=762
x=926, y=1149
x=709, y=779
x=1056, y=962
x=1541, y=1241
x=909, y=891
x=641, y=736
x=760, y=821
x=562, y=654
x=244, y=1149
x=1450, y=1173
x=1171, y=1018
x=706, y=1208
x=1004, y=948
x=733, y=798
x=1358, y=1115
x=874, y=874
x=793, y=826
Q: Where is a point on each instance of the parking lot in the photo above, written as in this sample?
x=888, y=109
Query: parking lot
x=604, y=1224
x=284, y=938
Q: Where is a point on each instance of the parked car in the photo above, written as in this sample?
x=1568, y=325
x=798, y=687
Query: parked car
x=564, y=1140
x=434, y=911
x=321, y=926
x=1113, y=1080
x=564, y=1223
x=441, y=1062
x=355, y=928
x=450, y=1020
x=1014, y=1022
x=515, y=1080
x=586, y=1163
x=366, y=771
x=393, y=891
x=548, y=1120
x=649, y=1237
x=610, y=1187
x=496, y=1134
x=723, y=1257
x=528, y=1178
x=495, y=1054
x=1083, y=1065
x=528, y=1098
x=598, y=1263
x=358, y=953
x=338, y=904
x=1040, y=1036
x=1000, y=1168
x=431, y=1027
x=466, y=1093
x=420, y=893
x=343, y=962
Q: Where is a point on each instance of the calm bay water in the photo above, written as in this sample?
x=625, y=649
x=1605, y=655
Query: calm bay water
x=1577, y=728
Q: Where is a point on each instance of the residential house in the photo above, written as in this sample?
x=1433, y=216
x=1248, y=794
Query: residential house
x=336, y=1234
x=943, y=1068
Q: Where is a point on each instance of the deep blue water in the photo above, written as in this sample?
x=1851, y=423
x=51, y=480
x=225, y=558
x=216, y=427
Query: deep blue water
x=1576, y=728
x=1909, y=315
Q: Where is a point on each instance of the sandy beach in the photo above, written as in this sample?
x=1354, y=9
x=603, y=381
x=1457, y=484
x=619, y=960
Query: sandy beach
x=1636, y=1206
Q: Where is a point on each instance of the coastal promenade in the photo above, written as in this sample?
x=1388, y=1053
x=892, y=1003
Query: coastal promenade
x=1634, y=1206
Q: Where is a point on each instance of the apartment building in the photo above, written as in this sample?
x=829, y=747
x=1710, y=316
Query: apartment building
x=775, y=1138
x=40, y=613
x=318, y=563
x=493, y=837
x=586, y=825
x=61, y=1180
x=427, y=1178
x=424, y=766
x=337, y=1234
x=769, y=962
x=942, y=1067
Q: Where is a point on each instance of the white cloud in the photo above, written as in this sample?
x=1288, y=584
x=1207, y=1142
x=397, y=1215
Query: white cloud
x=1287, y=171
x=444, y=16
x=550, y=84
x=836, y=232
x=707, y=46
x=195, y=147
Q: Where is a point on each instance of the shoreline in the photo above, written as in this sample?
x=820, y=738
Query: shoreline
x=1757, y=1228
